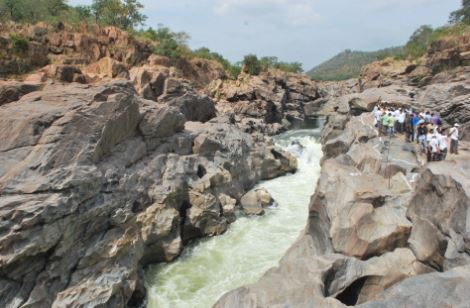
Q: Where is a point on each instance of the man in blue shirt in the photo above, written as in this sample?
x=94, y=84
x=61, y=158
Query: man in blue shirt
x=414, y=124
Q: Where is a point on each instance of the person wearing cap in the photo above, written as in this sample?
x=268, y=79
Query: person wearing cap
x=454, y=139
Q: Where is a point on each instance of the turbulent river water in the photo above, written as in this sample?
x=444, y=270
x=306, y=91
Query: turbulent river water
x=209, y=268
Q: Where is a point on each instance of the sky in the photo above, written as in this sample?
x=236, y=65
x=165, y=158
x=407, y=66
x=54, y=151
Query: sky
x=305, y=31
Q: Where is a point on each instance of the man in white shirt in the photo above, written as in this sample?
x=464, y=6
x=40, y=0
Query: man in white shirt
x=443, y=144
x=454, y=139
x=401, y=121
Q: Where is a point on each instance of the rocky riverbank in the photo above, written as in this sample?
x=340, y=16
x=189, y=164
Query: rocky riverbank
x=385, y=228
x=113, y=158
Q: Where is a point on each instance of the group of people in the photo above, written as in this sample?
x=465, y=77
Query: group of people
x=423, y=127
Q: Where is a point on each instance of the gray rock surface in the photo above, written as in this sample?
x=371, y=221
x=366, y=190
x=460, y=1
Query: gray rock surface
x=374, y=224
x=254, y=202
x=96, y=182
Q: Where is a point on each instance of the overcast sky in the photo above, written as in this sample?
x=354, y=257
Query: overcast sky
x=307, y=31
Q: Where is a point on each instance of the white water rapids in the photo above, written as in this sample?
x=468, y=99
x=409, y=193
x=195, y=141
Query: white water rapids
x=211, y=267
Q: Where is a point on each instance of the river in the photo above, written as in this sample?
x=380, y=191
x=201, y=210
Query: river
x=209, y=268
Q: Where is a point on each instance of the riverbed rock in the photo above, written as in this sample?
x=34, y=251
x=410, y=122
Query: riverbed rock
x=254, y=202
x=13, y=91
x=96, y=182
x=149, y=81
x=195, y=107
x=449, y=289
x=442, y=199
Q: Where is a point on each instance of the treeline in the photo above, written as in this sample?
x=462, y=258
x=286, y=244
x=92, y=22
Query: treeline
x=175, y=45
x=127, y=15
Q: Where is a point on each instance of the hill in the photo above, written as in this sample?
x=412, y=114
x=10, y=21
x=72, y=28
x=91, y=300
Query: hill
x=348, y=63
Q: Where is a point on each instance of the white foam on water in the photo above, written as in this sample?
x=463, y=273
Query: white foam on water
x=251, y=246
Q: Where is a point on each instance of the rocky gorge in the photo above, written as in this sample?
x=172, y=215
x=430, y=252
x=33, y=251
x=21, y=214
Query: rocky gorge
x=112, y=158
x=385, y=228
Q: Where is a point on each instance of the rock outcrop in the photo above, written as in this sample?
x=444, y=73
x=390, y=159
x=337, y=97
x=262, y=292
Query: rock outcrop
x=269, y=103
x=96, y=182
x=378, y=220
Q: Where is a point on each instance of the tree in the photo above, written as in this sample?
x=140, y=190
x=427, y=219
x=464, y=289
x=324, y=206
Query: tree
x=419, y=41
x=462, y=15
x=55, y=7
x=12, y=9
x=251, y=65
x=124, y=14
x=32, y=11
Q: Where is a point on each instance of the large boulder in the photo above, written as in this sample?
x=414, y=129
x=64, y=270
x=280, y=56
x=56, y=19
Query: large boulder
x=148, y=81
x=195, y=107
x=449, y=289
x=254, y=202
x=107, y=67
x=442, y=200
x=96, y=182
x=13, y=91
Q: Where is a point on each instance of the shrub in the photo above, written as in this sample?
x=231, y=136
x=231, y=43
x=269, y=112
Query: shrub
x=19, y=43
x=251, y=65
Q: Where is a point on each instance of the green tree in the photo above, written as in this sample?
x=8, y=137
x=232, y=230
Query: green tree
x=124, y=14
x=83, y=12
x=462, y=14
x=419, y=42
x=251, y=65
x=12, y=9
x=55, y=7
x=32, y=11
x=167, y=43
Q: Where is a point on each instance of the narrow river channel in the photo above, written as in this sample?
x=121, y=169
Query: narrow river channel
x=211, y=267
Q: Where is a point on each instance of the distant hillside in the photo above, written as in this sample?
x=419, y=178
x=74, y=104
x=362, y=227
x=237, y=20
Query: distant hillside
x=348, y=64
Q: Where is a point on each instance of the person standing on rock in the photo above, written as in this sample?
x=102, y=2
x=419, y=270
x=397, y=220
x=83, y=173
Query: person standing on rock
x=377, y=117
x=401, y=121
x=391, y=125
x=434, y=151
x=408, y=127
x=385, y=120
x=454, y=139
x=443, y=144
x=422, y=132
x=414, y=123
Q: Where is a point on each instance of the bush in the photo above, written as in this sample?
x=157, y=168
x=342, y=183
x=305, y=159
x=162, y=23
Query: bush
x=167, y=43
x=19, y=43
x=251, y=65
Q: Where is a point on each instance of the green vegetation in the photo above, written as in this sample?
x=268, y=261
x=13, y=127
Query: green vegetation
x=251, y=65
x=125, y=14
x=233, y=70
x=167, y=43
x=348, y=64
x=418, y=42
x=32, y=10
x=19, y=44
x=274, y=63
x=462, y=15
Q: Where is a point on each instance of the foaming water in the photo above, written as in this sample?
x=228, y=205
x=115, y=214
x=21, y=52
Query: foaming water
x=252, y=245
